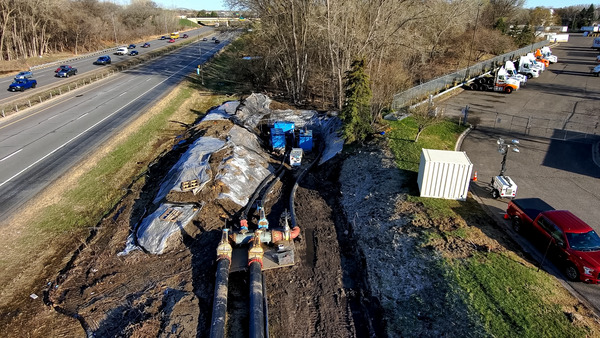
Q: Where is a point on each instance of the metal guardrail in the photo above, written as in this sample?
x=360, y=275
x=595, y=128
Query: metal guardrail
x=79, y=57
x=447, y=81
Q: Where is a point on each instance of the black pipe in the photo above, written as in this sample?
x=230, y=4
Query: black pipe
x=219, y=312
x=257, y=317
x=264, y=283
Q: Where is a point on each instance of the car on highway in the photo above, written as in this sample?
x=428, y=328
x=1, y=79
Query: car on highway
x=22, y=84
x=162, y=38
x=61, y=67
x=214, y=38
x=66, y=71
x=184, y=36
x=596, y=71
x=131, y=46
x=217, y=41
x=133, y=53
x=122, y=51
x=103, y=60
x=171, y=40
x=146, y=45
x=24, y=75
x=204, y=39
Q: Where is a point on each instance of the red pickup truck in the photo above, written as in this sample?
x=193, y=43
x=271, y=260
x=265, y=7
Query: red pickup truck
x=574, y=243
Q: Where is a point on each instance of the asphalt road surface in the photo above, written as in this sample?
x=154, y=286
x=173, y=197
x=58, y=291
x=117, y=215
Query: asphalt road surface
x=555, y=118
x=46, y=77
x=40, y=144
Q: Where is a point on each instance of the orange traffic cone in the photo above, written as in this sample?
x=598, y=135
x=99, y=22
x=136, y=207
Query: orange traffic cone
x=475, y=177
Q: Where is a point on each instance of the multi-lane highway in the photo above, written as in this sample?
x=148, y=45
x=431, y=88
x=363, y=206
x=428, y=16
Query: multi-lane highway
x=40, y=144
x=45, y=76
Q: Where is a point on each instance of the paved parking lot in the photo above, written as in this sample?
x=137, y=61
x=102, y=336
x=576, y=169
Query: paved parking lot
x=555, y=118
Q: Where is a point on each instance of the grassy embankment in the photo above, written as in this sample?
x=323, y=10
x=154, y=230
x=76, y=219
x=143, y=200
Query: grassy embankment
x=509, y=295
x=37, y=242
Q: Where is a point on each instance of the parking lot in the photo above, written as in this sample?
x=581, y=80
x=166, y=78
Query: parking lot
x=556, y=119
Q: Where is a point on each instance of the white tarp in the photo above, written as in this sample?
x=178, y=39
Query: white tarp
x=245, y=168
x=193, y=165
x=168, y=219
x=252, y=111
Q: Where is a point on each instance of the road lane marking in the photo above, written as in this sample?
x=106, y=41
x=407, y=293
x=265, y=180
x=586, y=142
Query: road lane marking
x=91, y=127
x=82, y=116
x=122, y=94
x=9, y=156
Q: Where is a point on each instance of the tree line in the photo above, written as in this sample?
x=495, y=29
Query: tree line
x=30, y=28
x=311, y=48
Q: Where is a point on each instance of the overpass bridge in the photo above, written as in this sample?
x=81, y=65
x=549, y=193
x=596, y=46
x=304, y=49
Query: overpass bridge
x=211, y=21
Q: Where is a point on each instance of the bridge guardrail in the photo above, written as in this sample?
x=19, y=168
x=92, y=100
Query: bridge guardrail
x=435, y=86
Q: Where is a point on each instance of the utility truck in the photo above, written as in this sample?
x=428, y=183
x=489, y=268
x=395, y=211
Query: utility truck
x=573, y=244
x=540, y=65
x=547, y=53
x=512, y=73
x=541, y=58
x=527, y=68
x=501, y=82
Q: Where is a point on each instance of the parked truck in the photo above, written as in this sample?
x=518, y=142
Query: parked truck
x=574, y=244
x=501, y=82
x=541, y=58
x=540, y=65
x=512, y=73
x=547, y=53
x=527, y=68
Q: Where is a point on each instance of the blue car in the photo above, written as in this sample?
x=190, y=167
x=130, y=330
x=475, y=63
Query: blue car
x=146, y=45
x=133, y=52
x=132, y=46
x=103, y=60
x=22, y=84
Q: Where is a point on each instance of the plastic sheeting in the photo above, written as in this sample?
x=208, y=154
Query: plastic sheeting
x=252, y=111
x=168, y=219
x=193, y=165
x=244, y=169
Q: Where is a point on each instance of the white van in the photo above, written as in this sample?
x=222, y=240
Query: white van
x=121, y=51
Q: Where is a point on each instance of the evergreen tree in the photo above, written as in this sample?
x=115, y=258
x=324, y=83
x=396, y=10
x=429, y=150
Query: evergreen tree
x=501, y=25
x=356, y=111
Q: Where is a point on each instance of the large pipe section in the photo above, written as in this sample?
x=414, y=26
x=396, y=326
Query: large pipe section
x=269, y=236
x=219, y=312
x=257, y=316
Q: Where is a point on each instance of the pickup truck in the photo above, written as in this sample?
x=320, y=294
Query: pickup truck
x=574, y=244
x=22, y=84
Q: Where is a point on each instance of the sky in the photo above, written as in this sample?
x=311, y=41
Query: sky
x=556, y=3
x=192, y=4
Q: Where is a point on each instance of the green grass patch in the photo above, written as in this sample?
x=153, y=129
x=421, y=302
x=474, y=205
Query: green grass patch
x=401, y=137
x=512, y=299
x=187, y=23
x=99, y=189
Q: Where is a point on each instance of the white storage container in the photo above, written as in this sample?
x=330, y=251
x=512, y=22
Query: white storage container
x=444, y=174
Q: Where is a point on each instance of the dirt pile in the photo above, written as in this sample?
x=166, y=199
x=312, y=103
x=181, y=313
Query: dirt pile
x=407, y=278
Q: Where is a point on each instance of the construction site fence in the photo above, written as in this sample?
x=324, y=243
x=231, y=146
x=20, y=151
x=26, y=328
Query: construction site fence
x=565, y=128
x=440, y=84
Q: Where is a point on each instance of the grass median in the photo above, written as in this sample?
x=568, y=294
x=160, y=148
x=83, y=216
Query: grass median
x=508, y=294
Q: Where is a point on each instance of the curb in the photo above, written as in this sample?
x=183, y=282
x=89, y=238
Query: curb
x=461, y=137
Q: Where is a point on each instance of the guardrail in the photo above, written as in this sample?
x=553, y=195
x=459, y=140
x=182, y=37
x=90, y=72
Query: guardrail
x=54, y=63
x=41, y=95
x=440, y=84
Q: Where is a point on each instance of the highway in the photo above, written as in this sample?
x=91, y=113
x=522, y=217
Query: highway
x=40, y=144
x=46, y=76
x=558, y=166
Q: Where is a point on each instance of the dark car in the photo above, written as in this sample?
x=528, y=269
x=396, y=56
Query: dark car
x=60, y=68
x=103, y=60
x=217, y=41
x=171, y=40
x=163, y=38
x=146, y=45
x=22, y=84
x=185, y=36
x=214, y=38
x=132, y=46
x=133, y=52
x=66, y=71
x=204, y=39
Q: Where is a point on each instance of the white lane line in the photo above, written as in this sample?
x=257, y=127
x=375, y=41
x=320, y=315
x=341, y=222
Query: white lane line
x=88, y=129
x=82, y=116
x=51, y=117
x=9, y=156
x=122, y=94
